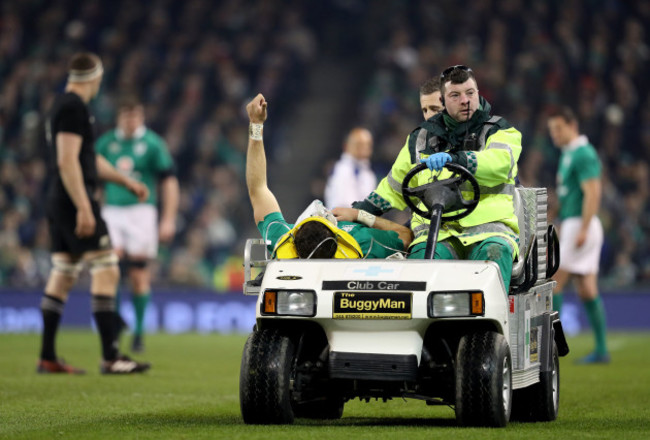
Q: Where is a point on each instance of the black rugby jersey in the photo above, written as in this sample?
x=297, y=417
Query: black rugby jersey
x=71, y=115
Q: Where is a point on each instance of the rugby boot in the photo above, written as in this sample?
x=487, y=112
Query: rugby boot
x=123, y=365
x=594, y=358
x=57, y=366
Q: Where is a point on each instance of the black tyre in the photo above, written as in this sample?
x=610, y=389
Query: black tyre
x=329, y=409
x=264, y=380
x=483, y=380
x=540, y=402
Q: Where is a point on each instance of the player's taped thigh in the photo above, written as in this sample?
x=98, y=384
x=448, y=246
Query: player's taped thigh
x=102, y=262
x=63, y=266
x=105, y=273
x=63, y=276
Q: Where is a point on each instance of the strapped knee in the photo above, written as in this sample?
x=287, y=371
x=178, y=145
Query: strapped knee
x=103, y=262
x=65, y=267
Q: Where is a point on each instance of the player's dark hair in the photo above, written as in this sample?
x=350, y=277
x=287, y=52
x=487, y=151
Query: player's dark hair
x=457, y=75
x=128, y=101
x=315, y=239
x=430, y=86
x=83, y=61
x=565, y=113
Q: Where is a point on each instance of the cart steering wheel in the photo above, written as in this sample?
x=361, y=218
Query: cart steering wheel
x=444, y=192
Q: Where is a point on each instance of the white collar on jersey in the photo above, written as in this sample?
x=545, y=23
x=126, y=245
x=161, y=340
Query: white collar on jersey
x=577, y=142
x=137, y=134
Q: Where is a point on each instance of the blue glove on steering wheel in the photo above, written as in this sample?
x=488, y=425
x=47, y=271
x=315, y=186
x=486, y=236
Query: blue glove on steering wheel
x=436, y=161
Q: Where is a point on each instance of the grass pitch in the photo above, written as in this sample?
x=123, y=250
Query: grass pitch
x=192, y=393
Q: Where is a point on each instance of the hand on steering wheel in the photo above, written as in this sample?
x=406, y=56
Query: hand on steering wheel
x=436, y=161
x=446, y=192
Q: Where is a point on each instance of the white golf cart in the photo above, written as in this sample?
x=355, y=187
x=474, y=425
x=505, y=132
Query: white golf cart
x=445, y=332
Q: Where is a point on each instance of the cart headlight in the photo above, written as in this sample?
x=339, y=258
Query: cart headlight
x=453, y=304
x=289, y=302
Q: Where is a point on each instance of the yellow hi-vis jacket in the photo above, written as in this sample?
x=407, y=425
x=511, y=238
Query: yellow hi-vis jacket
x=493, y=163
x=347, y=246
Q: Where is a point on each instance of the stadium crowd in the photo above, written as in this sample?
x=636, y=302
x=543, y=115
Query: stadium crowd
x=193, y=64
x=196, y=63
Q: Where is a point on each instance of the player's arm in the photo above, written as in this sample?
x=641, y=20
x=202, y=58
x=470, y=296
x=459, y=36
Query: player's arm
x=592, y=190
x=262, y=199
x=106, y=171
x=67, y=160
x=355, y=215
x=405, y=234
x=170, y=195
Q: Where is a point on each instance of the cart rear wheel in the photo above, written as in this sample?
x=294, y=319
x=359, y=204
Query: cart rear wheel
x=540, y=402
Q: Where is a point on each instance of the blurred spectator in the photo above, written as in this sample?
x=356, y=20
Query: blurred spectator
x=352, y=178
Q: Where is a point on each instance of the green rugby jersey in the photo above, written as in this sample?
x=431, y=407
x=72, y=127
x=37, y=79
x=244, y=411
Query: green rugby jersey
x=579, y=162
x=374, y=243
x=143, y=157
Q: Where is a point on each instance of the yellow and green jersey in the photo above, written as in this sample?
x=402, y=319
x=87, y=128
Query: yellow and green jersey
x=374, y=243
x=144, y=157
x=579, y=162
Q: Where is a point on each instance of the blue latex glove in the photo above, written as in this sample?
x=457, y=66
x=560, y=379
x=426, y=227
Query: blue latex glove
x=436, y=161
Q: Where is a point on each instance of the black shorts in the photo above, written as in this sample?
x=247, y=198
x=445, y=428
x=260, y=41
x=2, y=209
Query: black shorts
x=62, y=221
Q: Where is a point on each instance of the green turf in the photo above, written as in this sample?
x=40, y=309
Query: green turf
x=192, y=392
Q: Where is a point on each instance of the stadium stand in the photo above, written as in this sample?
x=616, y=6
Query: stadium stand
x=195, y=63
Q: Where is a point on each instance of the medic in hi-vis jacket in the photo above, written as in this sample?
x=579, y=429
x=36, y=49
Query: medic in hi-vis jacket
x=467, y=134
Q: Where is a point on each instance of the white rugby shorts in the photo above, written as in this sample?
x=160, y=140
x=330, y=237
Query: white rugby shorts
x=133, y=229
x=581, y=260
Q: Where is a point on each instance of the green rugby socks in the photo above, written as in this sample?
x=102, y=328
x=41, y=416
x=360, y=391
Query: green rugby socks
x=596, y=314
x=140, y=303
